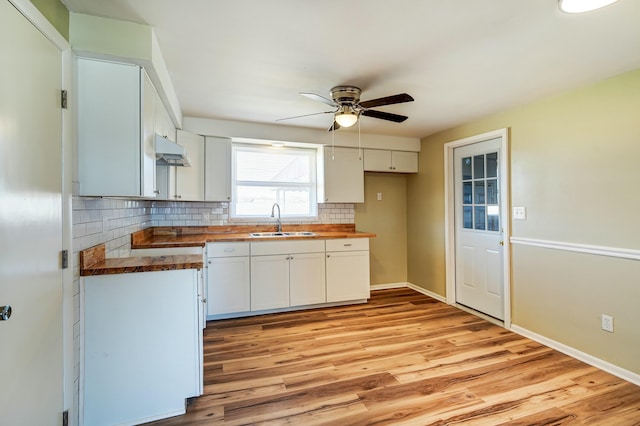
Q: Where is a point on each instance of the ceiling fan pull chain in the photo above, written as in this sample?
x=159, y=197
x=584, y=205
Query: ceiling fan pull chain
x=333, y=141
x=359, y=144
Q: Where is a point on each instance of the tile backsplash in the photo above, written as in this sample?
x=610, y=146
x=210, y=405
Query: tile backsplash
x=170, y=213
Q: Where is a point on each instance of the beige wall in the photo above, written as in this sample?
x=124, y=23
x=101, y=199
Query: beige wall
x=574, y=165
x=388, y=220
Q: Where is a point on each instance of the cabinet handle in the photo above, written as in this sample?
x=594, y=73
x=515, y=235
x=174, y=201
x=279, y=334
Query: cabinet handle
x=209, y=262
x=291, y=258
x=178, y=196
x=155, y=191
x=348, y=245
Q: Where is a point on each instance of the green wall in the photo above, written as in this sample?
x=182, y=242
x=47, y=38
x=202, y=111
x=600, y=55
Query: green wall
x=387, y=218
x=574, y=166
x=56, y=13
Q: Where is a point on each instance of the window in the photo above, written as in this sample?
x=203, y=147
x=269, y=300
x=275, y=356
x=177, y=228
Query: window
x=263, y=175
x=480, y=203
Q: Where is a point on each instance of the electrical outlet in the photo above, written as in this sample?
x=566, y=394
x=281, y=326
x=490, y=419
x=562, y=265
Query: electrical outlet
x=379, y=196
x=519, y=213
x=607, y=323
x=205, y=217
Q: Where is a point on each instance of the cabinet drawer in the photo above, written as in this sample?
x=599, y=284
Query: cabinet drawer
x=286, y=247
x=348, y=244
x=227, y=249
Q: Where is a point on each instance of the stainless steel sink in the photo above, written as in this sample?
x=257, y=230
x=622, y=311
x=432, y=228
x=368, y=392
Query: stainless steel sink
x=282, y=234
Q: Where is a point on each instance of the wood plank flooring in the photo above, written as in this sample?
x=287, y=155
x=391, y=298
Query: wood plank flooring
x=401, y=359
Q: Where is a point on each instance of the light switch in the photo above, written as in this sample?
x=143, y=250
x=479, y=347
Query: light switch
x=519, y=213
x=379, y=196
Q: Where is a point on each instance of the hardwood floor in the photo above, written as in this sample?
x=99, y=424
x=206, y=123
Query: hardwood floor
x=401, y=359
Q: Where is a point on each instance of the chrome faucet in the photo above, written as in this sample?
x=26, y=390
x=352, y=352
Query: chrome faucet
x=278, y=218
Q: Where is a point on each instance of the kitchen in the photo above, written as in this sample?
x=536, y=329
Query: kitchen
x=422, y=211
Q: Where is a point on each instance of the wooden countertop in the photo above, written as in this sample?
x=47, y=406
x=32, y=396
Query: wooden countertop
x=198, y=236
x=94, y=262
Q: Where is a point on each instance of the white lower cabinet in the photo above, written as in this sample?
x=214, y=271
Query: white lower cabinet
x=307, y=279
x=265, y=275
x=228, y=278
x=140, y=346
x=347, y=269
x=287, y=273
x=269, y=282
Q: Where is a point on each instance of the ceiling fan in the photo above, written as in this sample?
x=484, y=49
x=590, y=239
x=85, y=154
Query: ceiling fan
x=348, y=108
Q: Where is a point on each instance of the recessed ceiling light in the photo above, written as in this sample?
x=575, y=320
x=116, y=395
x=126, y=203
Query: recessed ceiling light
x=580, y=6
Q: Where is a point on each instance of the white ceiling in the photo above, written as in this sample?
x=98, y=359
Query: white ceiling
x=460, y=59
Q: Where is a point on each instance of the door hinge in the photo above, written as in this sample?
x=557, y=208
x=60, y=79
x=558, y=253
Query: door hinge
x=63, y=99
x=65, y=418
x=64, y=259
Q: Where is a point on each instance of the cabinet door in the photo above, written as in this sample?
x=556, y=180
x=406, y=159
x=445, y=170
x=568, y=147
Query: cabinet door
x=109, y=145
x=307, y=279
x=269, y=282
x=163, y=124
x=228, y=285
x=377, y=160
x=347, y=276
x=217, y=169
x=404, y=162
x=190, y=180
x=343, y=176
x=148, y=166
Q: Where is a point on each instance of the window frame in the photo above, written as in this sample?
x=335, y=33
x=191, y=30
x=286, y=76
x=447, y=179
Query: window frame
x=312, y=185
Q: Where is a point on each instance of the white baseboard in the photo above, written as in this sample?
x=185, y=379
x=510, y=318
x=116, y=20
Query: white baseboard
x=388, y=286
x=412, y=287
x=427, y=292
x=582, y=356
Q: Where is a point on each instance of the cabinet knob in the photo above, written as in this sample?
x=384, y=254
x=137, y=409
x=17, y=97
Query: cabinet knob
x=328, y=255
x=178, y=196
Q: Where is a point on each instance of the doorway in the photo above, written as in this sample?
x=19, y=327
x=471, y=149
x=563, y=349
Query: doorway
x=477, y=225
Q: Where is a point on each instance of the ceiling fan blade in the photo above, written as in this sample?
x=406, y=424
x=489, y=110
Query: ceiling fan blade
x=305, y=115
x=319, y=98
x=334, y=126
x=388, y=100
x=385, y=116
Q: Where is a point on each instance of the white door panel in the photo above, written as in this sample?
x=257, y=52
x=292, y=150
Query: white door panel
x=478, y=227
x=31, y=364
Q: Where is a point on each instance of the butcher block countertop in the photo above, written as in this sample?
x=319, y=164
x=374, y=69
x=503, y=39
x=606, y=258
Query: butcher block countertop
x=94, y=262
x=198, y=236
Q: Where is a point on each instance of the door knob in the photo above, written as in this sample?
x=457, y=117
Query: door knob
x=5, y=312
x=501, y=243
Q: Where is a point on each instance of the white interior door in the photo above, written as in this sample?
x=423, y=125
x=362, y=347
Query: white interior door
x=31, y=364
x=479, y=243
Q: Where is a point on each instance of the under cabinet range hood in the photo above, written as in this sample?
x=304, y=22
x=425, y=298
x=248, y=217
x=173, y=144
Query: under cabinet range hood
x=170, y=153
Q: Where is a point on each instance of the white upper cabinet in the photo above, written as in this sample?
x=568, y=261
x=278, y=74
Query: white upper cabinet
x=217, y=153
x=163, y=124
x=380, y=160
x=116, y=154
x=190, y=180
x=343, y=176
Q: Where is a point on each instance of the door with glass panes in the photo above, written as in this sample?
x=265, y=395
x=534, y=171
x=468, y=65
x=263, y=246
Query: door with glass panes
x=479, y=240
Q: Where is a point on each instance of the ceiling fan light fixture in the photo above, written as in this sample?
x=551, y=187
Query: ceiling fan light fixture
x=581, y=6
x=346, y=117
